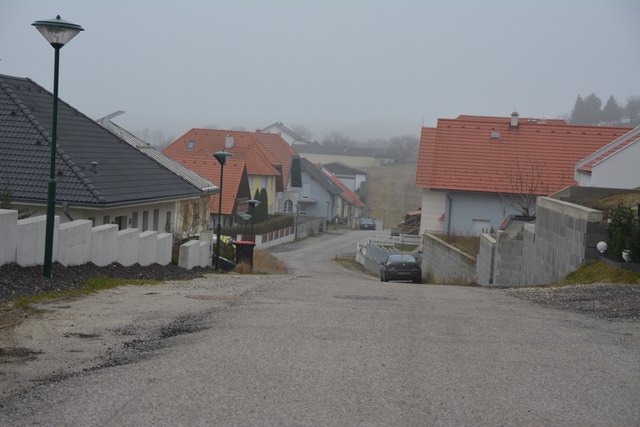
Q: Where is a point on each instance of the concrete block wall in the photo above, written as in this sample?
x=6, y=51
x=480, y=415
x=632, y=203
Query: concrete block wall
x=9, y=233
x=484, y=263
x=163, y=249
x=74, y=243
x=443, y=263
x=128, y=246
x=205, y=256
x=31, y=234
x=77, y=242
x=509, y=260
x=189, y=255
x=565, y=237
x=104, y=244
x=147, y=247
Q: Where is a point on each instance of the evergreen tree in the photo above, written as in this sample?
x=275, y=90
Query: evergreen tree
x=578, y=115
x=593, y=111
x=612, y=113
x=262, y=211
x=632, y=110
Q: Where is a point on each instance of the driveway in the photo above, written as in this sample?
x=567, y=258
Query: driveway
x=320, y=346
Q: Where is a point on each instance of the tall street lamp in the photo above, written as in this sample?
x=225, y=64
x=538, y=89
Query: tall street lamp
x=58, y=32
x=221, y=157
x=254, y=204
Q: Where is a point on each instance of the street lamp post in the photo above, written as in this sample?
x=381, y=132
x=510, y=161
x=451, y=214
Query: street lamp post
x=221, y=157
x=246, y=217
x=253, y=203
x=58, y=32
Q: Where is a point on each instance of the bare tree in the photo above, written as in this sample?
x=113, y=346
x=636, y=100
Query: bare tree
x=527, y=182
x=303, y=131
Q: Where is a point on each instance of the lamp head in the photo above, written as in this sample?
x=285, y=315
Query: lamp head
x=254, y=203
x=58, y=32
x=221, y=156
x=602, y=247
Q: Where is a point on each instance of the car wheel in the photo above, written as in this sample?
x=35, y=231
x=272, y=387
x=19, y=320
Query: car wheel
x=417, y=280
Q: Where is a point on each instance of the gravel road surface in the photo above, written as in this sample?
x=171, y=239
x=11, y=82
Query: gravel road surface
x=320, y=346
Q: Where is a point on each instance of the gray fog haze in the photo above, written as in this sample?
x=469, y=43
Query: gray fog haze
x=368, y=69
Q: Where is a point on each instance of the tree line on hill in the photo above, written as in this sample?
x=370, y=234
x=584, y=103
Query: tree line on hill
x=590, y=111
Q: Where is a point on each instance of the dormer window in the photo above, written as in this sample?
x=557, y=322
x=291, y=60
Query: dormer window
x=191, y=144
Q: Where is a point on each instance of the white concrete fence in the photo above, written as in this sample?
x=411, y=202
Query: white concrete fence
x=76, y=243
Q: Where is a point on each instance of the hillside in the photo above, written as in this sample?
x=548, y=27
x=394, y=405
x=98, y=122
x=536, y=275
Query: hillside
x=391, y=192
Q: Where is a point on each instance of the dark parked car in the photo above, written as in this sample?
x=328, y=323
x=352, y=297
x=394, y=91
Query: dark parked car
x=367, y=224
x=401, y=267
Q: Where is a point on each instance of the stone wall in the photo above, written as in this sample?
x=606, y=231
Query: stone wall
x=484, y=263
x=443, y=263
x=563, y=238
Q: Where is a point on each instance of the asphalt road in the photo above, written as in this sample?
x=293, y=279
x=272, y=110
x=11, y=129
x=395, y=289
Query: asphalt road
x=326, y=346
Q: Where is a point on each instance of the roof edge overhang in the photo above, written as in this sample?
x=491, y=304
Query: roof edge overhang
x=99, y=206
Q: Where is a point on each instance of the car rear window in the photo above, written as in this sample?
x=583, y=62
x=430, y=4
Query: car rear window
x=401, y=258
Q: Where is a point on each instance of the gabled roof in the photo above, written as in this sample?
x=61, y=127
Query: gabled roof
x=245, y=147
x=487, y=154
x=235, y=183
x=152, y=152
x=94, y=166
x=341, y=169
x=282, y=152
x=319, y=176
x=281, y=128
x=586, y=165
x=346, y=193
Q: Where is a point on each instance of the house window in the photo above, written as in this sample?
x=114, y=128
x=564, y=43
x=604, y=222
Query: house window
x=106, y=219
x=191, y=144
x=156, y=219
x=134, y=220
x=481, y=226
x=121, y=221
x=288, y=206
x=145, y=220
x=302, y=209
x=167, y=223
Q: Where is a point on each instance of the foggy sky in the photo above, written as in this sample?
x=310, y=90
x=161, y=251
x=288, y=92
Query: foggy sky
x=364, y=68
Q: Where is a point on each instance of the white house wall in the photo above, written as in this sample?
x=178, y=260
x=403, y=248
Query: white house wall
x=108, y=216
x=620, y=170
x=474, y=213
x=433, y=206
x=317, y=192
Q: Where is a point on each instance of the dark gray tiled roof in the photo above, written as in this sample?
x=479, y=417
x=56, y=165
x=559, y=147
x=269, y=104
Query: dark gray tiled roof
x=124, y=174
x=319, y=176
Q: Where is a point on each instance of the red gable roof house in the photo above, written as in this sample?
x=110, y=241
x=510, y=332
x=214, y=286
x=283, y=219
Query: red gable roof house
x=235, y=186
x=270, y=162
x=615, y=165
x=476, y=170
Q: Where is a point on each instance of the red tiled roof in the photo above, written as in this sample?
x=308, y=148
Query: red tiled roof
x=209, y=168
x=208, y=141
x=281, y=152
x=347, y=194
x=609, y=150
x=486, y=154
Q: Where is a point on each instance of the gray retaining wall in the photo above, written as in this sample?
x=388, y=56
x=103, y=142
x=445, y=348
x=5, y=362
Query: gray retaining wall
x=443, y=263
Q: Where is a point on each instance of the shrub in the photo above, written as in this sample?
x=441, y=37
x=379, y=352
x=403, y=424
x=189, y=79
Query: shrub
x=624, y=234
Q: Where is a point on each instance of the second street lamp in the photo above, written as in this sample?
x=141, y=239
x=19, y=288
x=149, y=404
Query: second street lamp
x=221, y=157
x=58, y=32
x=254, y=204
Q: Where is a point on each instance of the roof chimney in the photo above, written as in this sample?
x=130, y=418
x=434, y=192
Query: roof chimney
x=514, y=119
x=228, y=141
x=94, y=167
